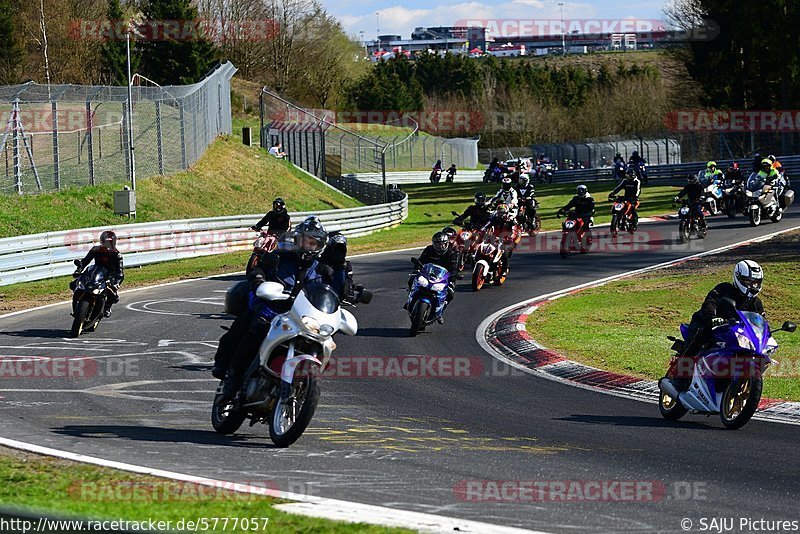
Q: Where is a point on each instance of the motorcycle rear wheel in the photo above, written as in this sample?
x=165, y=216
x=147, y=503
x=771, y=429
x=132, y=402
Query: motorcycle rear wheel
x=670, y=408
x=307, y=389
x=81, y=313
x=418, y=319
x=223, y=419
x=739, y=402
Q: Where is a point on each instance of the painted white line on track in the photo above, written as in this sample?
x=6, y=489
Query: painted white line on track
x=311, y=506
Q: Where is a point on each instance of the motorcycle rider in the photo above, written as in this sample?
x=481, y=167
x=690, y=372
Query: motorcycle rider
x=748, y=278
x=735, y=173
x=451, y=172
x=277, y=220
x=694, y=191
x=632, y=187
x=506, y=195
x=526, y=196
x=767, y=171
x=478, y=213
x=105, y=255
x=293, y=269
x=440, y=252
x=712, y=174
x=582, y=203
x=619, y=166
x=335, y=257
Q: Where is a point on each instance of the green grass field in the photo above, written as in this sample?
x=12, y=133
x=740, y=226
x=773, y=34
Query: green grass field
x=622, y=326
x=71, y=489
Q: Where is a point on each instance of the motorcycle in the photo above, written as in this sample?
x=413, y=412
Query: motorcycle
x=641, y=172
x=713, y=194
x=733, y=198
x=622, y=217
x=467, y=241
x=427, y=298
x=88, y=298
x=763, y=200
x=575, y=235
x=529, y=217
x=545, y=173
x=436, y=176
x=691, y=220
x=491, y=263
x=727, y=377
x=451, y=173
x=281, y=386
x=264, y=243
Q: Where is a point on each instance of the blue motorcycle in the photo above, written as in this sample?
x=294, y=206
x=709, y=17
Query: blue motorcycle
x=428, y=295
x=728, y=374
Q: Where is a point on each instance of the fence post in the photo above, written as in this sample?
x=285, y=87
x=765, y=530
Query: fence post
x=124, y=145
x=78, y=144
x=182, y=121
x=159, y=138
x=15, y=150
x=89, y=126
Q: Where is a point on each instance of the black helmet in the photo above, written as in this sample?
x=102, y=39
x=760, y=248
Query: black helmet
x=582, y=190
x=279, y=205
x=693, y=179
x=630, y=173
x=337, y=238
x=617, y=155
x=506, y=184
x=440, y=241
x=480, y=198
x=309, y=238
x=108, y=239
x=634, y=153
x=450, y=232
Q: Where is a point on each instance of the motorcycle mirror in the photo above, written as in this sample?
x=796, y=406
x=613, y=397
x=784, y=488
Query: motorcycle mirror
x=77, y=263
x=416, y=262
x=454, y=213
x=789, y=326
x=271, y=291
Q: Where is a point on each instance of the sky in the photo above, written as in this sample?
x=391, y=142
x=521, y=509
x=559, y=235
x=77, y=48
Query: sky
x=401, y=17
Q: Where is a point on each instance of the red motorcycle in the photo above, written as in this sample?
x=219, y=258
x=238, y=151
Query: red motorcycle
x=467, y=241
x=575, y=235
x=622, y=217
x=491, y=262
x=264, y=243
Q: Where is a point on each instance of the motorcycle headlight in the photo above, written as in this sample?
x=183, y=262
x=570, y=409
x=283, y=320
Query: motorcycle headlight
x=618, y=206
x=326, y=330
x=421, y=280
x=465, y=236
x=684, y=210
x=569, y=224
x=311, y=323
x=96, y=290
x=744, y=342
x=749, y=194
x=438, y=286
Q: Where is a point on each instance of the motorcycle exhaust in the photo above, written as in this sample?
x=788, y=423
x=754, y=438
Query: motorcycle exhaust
x=665, y=385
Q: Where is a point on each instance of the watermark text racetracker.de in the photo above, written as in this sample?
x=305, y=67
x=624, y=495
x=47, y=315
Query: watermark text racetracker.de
x=71, y=367
x=725, y=120
x=216, y=30
x=560, y=491
x=163, y=490
x=416, y=367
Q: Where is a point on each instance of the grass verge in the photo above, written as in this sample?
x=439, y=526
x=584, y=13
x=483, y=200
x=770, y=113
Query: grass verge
x=35, y=482
x=230, y=179
x=622, y=326
x=429, y=211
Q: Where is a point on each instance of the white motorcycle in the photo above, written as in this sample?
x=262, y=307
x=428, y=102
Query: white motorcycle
x=763, y=199
x=281, y=386
x=713, y=193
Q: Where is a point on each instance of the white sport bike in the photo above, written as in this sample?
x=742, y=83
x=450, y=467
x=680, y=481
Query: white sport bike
x=281, y=386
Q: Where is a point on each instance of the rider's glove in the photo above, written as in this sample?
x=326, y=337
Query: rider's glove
x=676, y=200
x=255, y=228
x=610, y=197
x=717, y=321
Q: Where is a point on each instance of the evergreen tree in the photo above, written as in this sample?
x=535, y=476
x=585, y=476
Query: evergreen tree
x=113, y=52
x=10, y=50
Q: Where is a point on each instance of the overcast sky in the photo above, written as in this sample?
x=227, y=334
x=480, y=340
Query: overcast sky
x=401, y=17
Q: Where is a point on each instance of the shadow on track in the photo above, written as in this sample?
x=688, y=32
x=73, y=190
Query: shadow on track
x=170, y=435
x=382, y=332
x=47, y=333
x=633, y=421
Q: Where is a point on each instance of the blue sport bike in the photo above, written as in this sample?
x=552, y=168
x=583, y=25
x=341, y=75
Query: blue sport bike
x=428, y=295
x=728, y=374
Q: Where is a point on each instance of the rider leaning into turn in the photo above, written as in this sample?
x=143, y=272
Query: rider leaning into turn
x=277, y=220
x=293, y=268
x=747, y=281
x=582, y=203
x=632, y=187
x=478, y=213
x=105, y=255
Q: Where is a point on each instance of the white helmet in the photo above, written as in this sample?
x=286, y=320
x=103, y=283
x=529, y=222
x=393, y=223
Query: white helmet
x=748, y=277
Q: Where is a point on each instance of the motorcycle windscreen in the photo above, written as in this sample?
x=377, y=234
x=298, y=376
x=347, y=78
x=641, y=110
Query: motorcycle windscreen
x=757, y=329
x=755, y=182
x=322, y=297
x=94, y=276
x=434, y=273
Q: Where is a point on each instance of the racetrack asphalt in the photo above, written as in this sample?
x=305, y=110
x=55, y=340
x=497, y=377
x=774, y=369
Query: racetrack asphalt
x=406, y=442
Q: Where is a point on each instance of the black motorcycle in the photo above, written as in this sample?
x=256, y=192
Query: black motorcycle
x=733, y=198
x=692, y=220
x=88, y=298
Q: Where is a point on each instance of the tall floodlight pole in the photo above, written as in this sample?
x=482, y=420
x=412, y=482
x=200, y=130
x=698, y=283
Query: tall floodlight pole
x=563, y=31
x=130, y=110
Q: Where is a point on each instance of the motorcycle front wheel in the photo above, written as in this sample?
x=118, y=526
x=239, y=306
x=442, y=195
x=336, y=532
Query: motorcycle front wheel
x=292, y=415
x=614, y=223
x=670, y=408
x=755, y=217
x=565, y=244
x=81, y=314
x=418, y=318
x=739, y=402
x=477, y=278
x=684, y=231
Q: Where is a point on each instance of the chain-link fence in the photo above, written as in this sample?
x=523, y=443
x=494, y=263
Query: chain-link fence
x=61, y=136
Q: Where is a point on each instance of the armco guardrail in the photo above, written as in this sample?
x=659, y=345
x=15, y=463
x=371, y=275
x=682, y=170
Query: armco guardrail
x=39, y=256
x=417, y=177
